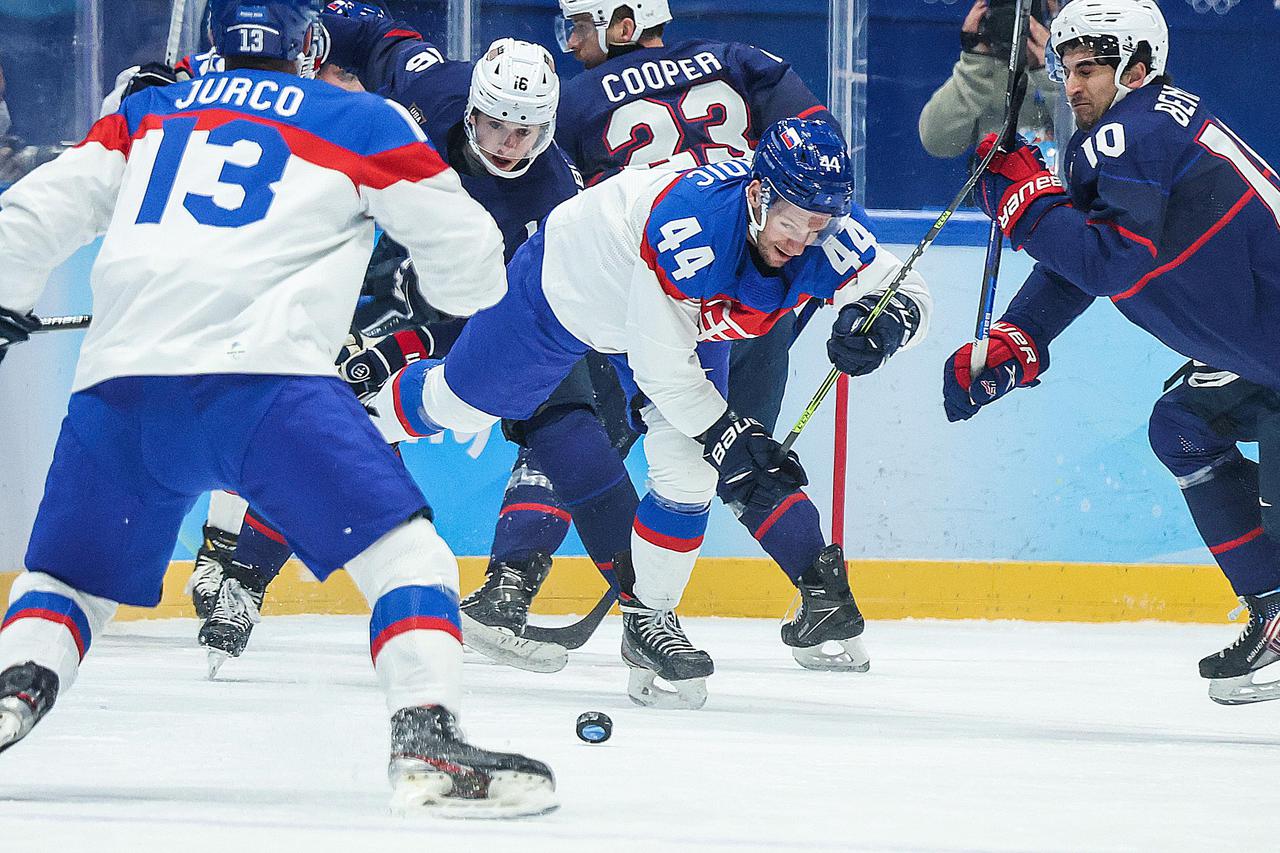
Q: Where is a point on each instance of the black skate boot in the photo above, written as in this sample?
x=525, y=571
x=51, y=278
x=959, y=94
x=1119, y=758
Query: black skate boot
x=211, y=563
x=1231, y=670
x=433, y=767
x=235, y=611
x=828, y=616
x=27, y=692
x=655, y=646
x=494, y=616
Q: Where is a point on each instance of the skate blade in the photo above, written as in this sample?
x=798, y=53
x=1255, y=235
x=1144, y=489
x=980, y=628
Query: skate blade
x=1242, y=690
x=851, y=656
x=215, y=660
x=499, y=646
x=424, y=793
x=688, y=694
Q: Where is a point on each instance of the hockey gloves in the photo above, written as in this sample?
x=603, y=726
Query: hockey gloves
x=1013, y=361
x=753, y=469
x=153, y=74
x=1017, y=189
x=857, y=354
x=367, y=363
x=15, y=328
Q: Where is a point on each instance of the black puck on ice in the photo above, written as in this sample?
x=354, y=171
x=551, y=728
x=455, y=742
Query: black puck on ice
x=594, y=727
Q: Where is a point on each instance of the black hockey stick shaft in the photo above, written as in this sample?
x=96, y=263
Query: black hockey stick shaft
x=60, y=324
x=1015, y=92
x=575, y=635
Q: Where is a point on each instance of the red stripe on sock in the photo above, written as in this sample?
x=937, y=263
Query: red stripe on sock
x=1237, y=542
x=670, y=543
x=50, y=616
x=413, y=623
x=777, y=513
x=546, y=509
x=261, y=527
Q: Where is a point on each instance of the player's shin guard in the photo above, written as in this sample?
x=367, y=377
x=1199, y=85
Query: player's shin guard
x=262, y=548
x=665, y=539
x=1223, y=500
x=532, y=519
x=52, y=624
x=410, y=579
x=790, y=532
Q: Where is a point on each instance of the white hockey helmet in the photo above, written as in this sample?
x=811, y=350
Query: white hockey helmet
x=646, y=13
x=1114, y=29
x=514, y=86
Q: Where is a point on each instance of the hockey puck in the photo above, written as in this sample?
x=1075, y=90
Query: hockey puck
x=594, y=727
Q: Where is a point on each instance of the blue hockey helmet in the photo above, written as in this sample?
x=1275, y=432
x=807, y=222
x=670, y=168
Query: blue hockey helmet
x=271, y=29
x=356, y=9
x=807, y=164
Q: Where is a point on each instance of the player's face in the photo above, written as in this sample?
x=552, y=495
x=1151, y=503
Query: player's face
x=505, y=143
x=584, y=43
x=1090, y=86
x=788, y=231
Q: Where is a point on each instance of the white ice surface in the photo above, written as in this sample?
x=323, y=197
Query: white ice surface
x=964, y=736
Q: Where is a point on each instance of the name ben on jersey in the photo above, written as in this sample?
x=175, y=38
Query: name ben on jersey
x=658, y=74
x=261, y=95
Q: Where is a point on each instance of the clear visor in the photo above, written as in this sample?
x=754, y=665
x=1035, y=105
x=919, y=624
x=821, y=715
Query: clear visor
x=566, y=28
x=506, y=143
x=796, y=223
x=1060, y=70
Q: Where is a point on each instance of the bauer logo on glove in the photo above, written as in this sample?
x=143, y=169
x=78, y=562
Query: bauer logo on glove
x=1014, y=183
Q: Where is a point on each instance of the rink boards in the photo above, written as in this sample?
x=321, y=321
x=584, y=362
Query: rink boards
x=1043, y=592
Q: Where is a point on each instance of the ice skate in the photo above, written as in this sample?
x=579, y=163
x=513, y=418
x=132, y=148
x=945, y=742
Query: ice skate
x=225, y=634
x=212, y=560
x=655, y=646
x=27, y=692
x=826, y=633
x=494, y=616
x=435, y=771
x=1232, y=670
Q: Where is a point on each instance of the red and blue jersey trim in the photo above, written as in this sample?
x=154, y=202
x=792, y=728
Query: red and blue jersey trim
x=52, y=607
x=413, y=608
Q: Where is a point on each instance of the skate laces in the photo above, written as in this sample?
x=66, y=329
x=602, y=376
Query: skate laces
x=662, y=630
x=506, y=580
x=235, y=604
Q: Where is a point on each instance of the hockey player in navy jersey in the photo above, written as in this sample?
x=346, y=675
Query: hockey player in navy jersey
x=643, y=267
x=238, y=214
x=1176, y=220
x=513, y=168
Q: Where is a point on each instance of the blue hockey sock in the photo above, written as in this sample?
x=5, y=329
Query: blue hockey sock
x=572, y=448
x=532, y=519
x=790, y=532
x=261, y=548
x=1226, y=512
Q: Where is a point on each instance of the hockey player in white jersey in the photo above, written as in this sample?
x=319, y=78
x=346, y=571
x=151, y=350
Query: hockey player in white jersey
x=645, y=266
x=238, y=212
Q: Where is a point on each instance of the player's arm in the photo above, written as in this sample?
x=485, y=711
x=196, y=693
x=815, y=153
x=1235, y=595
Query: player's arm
x=1107, y=249
x=56, y=209
x=419, y=201
x=870, y=270
x=1018, y=352
x=775, y=91
x=378, y=50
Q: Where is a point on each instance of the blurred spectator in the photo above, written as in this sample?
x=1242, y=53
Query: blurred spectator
x=16, y=156
x=970, y=104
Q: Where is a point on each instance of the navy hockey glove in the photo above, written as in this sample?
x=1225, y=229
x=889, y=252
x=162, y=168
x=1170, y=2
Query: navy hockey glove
x=1013, y=361
x=15, y=328
x=752, y=467
x=366, y=363
x=1017, y=189
x=857, y=354
x=152, y=74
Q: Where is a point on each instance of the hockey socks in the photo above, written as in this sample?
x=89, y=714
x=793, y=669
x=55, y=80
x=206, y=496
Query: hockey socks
x=790, y=532
x=665, y=539
x=532, y=519
x=52, y=624
x=262, y=548
x=1225, y=509
x=573, y=449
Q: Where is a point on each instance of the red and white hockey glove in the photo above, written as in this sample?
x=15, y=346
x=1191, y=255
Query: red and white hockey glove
x=1013, y=361
x=1017, y=189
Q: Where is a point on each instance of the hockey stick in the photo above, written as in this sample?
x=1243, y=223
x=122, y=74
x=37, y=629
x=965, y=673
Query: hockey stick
x=177, y=17
x=1007, y=129
x=58, y=324
x=575, y=635
x=1015, y=92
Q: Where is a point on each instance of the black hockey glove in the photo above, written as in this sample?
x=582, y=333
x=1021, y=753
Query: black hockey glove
x=15, y=328
x=857, y=354
x=152, y=74
x=366, y=363
x=752, y=467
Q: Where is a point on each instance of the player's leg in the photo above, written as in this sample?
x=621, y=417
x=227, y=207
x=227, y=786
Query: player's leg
x=221, y=531
x=341, y=496
x=758, y=373
x=1194, y=429
x=104, y=534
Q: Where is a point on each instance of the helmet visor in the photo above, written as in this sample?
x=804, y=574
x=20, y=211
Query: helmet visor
x=580, y=26
x=796, y=223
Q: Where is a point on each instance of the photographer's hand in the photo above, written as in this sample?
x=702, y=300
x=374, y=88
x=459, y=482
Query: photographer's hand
x=972, y=22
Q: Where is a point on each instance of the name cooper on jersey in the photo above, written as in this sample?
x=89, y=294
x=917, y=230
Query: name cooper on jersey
x=263, y=95
x=659, y=75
